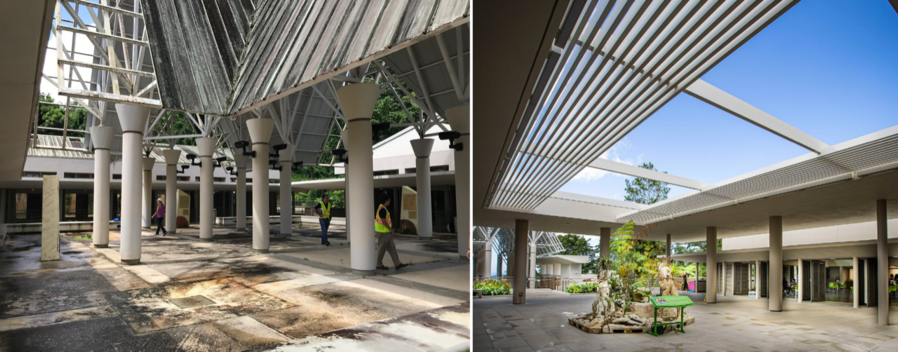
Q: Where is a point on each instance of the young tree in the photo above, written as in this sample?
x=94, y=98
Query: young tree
x=575, y=245
x=645, y=191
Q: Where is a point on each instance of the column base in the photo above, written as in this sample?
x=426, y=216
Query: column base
x=363, y=272
x=206, y=240
x=776, y=311
x=101, y=245
x=131, y=261
x=261, y=251
x=710, y=302
x=425, y=238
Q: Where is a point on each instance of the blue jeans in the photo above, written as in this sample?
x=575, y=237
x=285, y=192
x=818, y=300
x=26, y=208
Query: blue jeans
x=325, y=223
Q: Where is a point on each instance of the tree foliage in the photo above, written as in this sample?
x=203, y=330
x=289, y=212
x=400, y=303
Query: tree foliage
x=645, y=191
x=575, y=245
x=54, y=116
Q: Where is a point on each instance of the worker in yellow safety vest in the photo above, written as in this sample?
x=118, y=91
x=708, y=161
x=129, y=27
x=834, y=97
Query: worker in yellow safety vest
x=323, y=209
x=384, y=228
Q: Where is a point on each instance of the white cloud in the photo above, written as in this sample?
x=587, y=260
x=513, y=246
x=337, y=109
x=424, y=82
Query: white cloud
x=613, y=154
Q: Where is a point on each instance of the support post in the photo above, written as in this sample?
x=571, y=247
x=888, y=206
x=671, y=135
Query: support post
x=521, y=236
x=101, y=136
x=801, y=286
x=711, y=262
x=148, y=202
x=775, y=300
x=422, y=149
x=882, y=261
x=488, y=260
x=532, y=257
x=855, y=279
x=460, y=119
x=605, y=242
x=50, y=219
x=260, y=134
x=172, y=156
x=285, y=188
x=240, y=160
x=758, y=280
x=206, y=148
x=133, y=119
x=358, y=107
x=667, y=248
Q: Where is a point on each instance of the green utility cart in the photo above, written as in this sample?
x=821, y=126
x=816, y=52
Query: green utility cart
x=669, y=302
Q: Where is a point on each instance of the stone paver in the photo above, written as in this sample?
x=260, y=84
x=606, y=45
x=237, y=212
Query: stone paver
x=735, y=323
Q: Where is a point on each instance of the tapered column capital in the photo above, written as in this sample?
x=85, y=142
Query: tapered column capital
x=460, y=118
x=172, y=156
x=101, y=136
x=422, y=147
x=206, y=146
x=260, y=130
x=148, y=164
x=133, y=118
x=358, y=100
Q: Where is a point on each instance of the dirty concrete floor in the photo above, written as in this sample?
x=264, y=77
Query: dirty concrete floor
x=190, y=295
x=734, y=323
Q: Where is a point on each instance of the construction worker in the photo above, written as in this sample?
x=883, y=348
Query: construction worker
x=323, y=209
x=384, y=228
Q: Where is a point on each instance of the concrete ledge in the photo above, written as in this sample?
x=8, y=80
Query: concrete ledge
x=64, y=226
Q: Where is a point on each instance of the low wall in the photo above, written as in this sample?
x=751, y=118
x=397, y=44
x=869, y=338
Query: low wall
x=64, y=226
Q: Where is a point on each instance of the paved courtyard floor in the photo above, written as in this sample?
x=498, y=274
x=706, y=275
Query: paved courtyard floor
x=190, y=295
x=735, y=323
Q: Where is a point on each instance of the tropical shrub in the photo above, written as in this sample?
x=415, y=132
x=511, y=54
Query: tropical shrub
x=492, y=287
x=585, y=287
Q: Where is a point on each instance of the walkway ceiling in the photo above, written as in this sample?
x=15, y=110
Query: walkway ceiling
x=24, y=27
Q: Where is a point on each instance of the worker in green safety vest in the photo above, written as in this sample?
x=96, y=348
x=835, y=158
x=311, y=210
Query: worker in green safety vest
x=383, y=226
x=323, y=209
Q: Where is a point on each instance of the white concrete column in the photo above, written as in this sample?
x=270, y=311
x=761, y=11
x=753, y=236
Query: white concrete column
x=133, y=119
x=711, y=269
x=285, y=188
x=882, y=261
x=240, y=160
x=605, y=242
x=460, y=119
x=149, y=204
x=487, y=263
x=172, y=156
x=854, y=282
x=344, y=136
x=557, y=270
x=532, y=265
x=775, y=299
x=422, y=149
x=206, y=148
x=101, y=136
x=521, y=237
x=548, y=270
x=260, y=134
x=358, y=106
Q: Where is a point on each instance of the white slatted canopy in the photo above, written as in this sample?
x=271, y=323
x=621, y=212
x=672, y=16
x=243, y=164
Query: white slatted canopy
x=615, y=63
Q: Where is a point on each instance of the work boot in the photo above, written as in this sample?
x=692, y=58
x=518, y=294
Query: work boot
x=382, y=267
x=400, y=266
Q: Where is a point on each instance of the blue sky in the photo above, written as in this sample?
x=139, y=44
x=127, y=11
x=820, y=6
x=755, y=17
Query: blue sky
x=826, y=67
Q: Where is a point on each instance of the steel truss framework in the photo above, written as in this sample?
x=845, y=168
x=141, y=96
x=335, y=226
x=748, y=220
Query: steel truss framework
x=547, y=243
x=432, y=72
